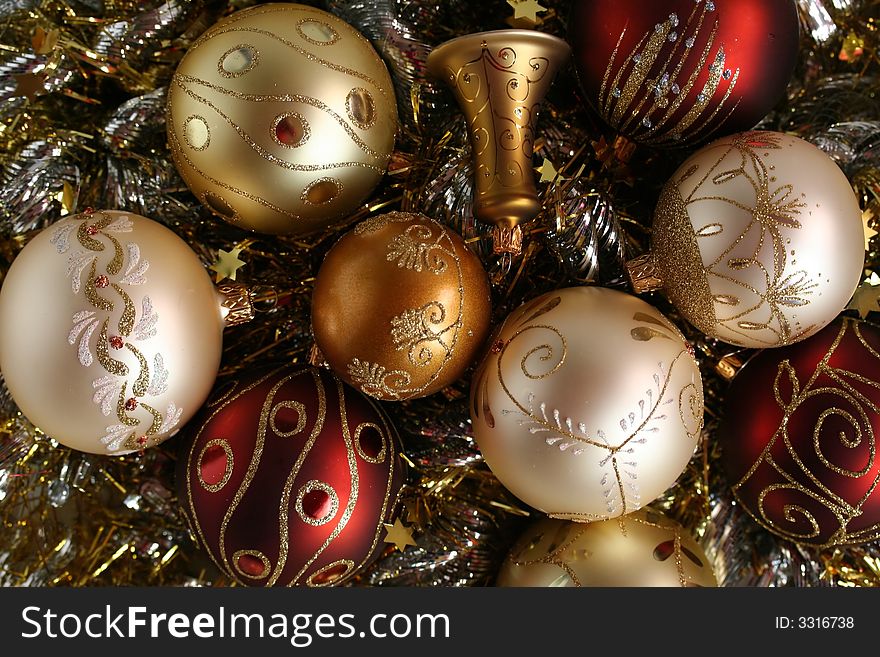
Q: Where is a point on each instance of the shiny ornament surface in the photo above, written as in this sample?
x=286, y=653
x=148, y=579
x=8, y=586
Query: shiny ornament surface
x=287, y=478
x=758, y=239
x=110, y=332
x=499, y=79
x=799, y=438
x=588, y=405
x=281, y=118
x=678, y=72
x=644, y=548
x=401, y=306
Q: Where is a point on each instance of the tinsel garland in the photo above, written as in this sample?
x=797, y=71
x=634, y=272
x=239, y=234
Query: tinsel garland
x=82, y=124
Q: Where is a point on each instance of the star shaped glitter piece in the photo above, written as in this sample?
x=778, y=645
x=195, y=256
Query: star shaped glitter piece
x=44, y=42
x=227, y=264
x=29, y=84
x=548, y=172
x=67, y=198
x=867, y=216
x=527, y=9
x=867, y=297
x=399, y=534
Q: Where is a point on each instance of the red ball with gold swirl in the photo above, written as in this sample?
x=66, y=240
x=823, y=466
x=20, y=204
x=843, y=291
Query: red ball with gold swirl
x=800, y=436
x=677, y=72
x=288, y=478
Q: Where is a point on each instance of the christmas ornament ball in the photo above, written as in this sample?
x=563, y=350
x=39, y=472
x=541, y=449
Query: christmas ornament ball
x=588, y=405
x=287, y=477
x=757, y=240
x=400, y=306
x=110, y=332
x=643, y=548
x=799, y=436
x=677, y=72
x=281, y=118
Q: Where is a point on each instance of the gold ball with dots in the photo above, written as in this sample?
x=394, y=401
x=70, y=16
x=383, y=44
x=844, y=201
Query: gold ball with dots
x=281, y=119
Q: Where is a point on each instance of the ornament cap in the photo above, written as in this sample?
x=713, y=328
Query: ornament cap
x=507, y=240
x=317, y=358
x=643, y=274
x=729, y=365
x=236, y=304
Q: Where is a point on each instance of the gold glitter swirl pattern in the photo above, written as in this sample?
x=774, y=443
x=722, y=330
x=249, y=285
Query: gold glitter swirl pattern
x=237, y=558
x=228, y=468
x=182, y=81
x=92, y=229
x=247, y=59
x=314, y=485
x=422, y=247
x=800, y=467
x=415, y=327
x=379, y=221
x=617, y=552
x=648, y=88
x=619, y=458
x=773, y=286
x=300, y=409
x=283, y=519
x=300, y=50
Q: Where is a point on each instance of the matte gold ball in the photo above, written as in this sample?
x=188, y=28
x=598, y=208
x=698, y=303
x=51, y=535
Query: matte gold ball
x=401, y=306
x=644, y=548
x=110, y=332
x=281, y=119
x=758, y=239
x=588, y=405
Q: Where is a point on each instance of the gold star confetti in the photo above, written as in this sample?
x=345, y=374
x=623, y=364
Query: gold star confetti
x=548, y=172
x=867, y=297
x=867, y=217
x=853, y=48
x=29, y=84
x=227, y=264
x=44, y=42
x=399, y=534
x=67, y=198
x=526, y=9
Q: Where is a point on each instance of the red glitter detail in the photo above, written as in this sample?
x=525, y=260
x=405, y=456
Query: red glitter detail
x=142, y=440
x=89, y=210
x=116, y=342
x=497, y=346
x=131, y=404
x=92, y=230
x=102, y=281
x=690, y=349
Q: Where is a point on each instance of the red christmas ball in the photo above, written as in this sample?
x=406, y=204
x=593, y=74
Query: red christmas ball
x=288, y=478
x=800, y=433
x=676, y=72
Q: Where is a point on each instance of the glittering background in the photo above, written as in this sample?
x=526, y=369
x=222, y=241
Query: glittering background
x=82, y=88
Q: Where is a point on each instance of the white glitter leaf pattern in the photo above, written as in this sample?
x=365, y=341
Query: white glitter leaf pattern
x=159, y=382
x=107, y=390
x=61, y=237
x=120, y=225
x=137, y=268
x=76, y=263
x=147, y=325
x=172, y=417
x=84, y=324
x=115, y=436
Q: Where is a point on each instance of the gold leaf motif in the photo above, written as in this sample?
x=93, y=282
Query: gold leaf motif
x=644, y=333
x=710, y=229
